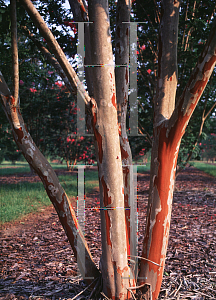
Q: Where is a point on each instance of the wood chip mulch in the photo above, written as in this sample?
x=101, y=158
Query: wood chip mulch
x=37, y=261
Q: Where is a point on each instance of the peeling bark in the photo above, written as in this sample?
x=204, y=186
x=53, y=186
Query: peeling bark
x=167, y=138
x=113, y=264
x=79, y=10
x=106, y=115
x=167, y=61
x=50, y=181
x=122, y=85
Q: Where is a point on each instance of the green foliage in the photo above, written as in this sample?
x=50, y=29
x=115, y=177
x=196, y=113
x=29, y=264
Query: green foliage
x=208, y=147
x=37, y=89
x=37, y=77
x=143, y=168
x=8, y=148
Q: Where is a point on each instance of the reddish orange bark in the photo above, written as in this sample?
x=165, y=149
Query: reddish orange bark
x=167, y=138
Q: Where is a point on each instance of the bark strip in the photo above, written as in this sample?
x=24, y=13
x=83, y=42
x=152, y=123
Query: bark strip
x=114, y=263
x=79, y=10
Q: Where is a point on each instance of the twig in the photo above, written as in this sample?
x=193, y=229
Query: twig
x=105, y=296
x=84, y=289
x=178, y=288
x=147, y=260
x=92, y=292
x=202, y=294
x=137, y=287
x=132, y=294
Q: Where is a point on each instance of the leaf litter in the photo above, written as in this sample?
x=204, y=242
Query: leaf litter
x=37, y=261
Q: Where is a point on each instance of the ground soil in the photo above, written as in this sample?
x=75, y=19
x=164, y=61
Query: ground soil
x=37, y=261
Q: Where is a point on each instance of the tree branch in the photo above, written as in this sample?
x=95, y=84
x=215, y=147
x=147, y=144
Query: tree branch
x=148, y=137
x=79, y=10
x=53, y=44
x=204, y=117
x=14, y=46
x=114, y=262
x=51, y=183
x=213, y=106
x=157, y=12
x=50, y=58
x=167, y=62
x=80, y=14
x=195, y=86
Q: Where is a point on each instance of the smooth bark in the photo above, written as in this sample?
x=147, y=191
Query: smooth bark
x=122, y=86
x=170, y=122
x=15, y=60
x=113, y=264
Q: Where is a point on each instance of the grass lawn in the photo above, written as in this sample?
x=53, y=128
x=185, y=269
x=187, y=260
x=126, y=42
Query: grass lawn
x=143, y=168
x=6, y=168
x=207, y=168
x=17, y=200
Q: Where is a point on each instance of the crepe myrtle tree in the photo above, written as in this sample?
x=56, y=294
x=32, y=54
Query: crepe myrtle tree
x=106, y=113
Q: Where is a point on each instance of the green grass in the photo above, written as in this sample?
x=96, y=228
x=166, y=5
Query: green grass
x=143, y=168
x=17, y=200
x=207, y=168
x=7, y=168
x=20, y=199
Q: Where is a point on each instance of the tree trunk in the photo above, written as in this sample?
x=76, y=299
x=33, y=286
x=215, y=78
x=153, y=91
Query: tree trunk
x=169, y=125
x=114, y=264
x=122, y=86
x=50, y=181
x=169, y=128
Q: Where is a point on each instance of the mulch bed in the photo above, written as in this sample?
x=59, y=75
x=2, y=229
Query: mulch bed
x=37, y=261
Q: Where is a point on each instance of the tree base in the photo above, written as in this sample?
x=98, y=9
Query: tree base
x=144, y=293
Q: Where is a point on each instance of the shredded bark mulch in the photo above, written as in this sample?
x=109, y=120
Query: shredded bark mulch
x=37, y=261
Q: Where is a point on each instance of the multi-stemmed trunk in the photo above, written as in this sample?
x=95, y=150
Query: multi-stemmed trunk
x=108, y=123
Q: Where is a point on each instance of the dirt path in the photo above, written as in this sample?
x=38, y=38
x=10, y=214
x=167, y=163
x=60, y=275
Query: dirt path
x=37, y=261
